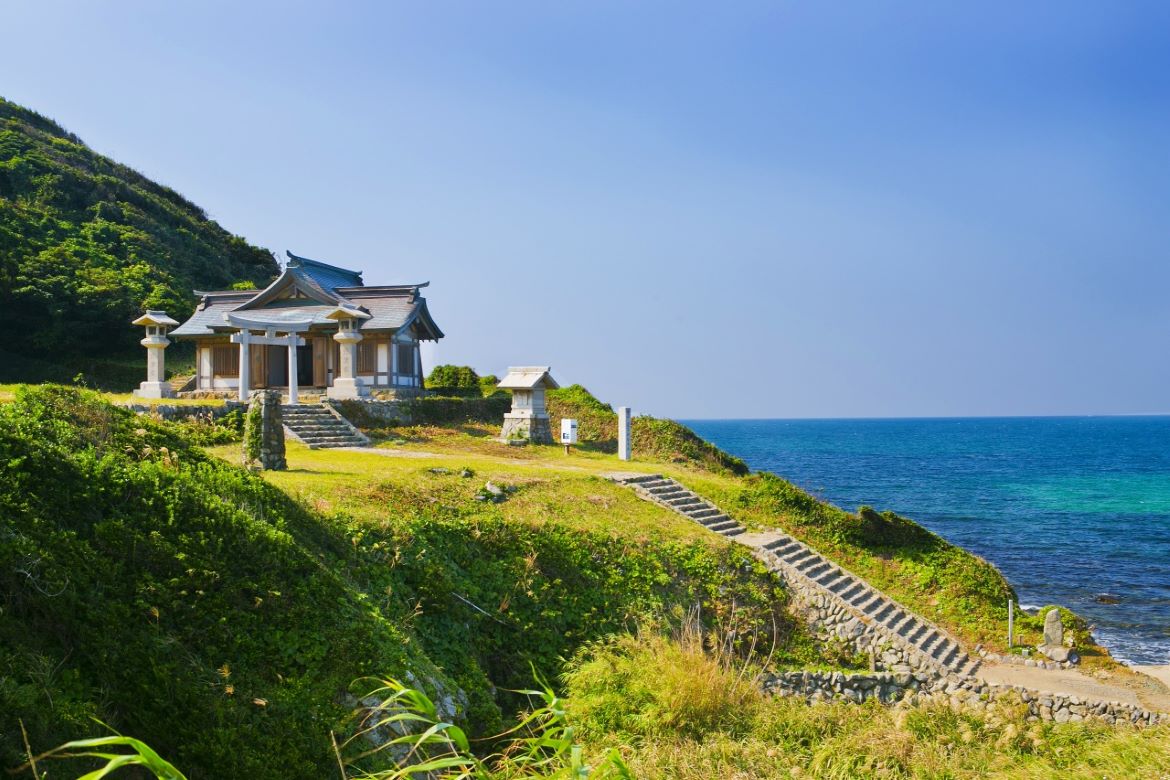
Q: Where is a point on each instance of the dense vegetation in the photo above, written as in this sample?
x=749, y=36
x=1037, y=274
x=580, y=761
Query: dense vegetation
x=87, y=243
x=189, y=603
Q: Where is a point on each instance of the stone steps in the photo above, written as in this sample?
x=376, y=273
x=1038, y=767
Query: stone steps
x=182, y=384
x=855, y=595
x=318, y=427
x=850, y=591
x=670, y=494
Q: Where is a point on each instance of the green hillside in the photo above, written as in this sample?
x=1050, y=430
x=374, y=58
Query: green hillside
x=86, y=243
x=182, y=600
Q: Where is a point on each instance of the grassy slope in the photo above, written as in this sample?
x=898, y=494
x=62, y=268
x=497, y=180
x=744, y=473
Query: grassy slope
x=949, y=585
x=86, y=243
x=675, y=710
x=172, y=596
x=222, y=618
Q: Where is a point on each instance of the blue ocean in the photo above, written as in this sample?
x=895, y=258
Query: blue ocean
x=1070, y=509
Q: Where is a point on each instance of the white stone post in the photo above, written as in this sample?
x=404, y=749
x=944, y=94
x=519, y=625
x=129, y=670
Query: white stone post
x=244, y=338
x=345, y=384
x=156, y=342
x=292, y=368
x=623, y=432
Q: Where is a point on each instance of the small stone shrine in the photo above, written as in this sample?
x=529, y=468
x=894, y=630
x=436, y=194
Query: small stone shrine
x=264, y=432
x=528, y=419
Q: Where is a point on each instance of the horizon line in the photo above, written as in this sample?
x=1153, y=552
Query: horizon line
x=926, y=417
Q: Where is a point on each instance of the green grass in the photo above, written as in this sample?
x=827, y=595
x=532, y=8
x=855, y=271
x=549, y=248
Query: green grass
x=550, y=488
x=676, y=709
x=949, y=585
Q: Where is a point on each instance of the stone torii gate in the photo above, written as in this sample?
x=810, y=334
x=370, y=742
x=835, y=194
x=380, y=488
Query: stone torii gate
x=246, y=338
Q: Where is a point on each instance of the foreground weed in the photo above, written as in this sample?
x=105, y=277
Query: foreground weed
x=405, y=727
x=139, y=755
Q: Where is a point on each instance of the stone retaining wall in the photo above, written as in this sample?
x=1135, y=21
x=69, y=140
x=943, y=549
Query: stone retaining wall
x=370, y=412
x=186, y=411
x=970, y=692
x=1039, y=662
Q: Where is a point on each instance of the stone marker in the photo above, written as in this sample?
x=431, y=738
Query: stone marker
x=265, y=446
x=1053, y=630
x=623, y=432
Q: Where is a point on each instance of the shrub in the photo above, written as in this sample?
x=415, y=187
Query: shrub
x=651, y=685
x=454, y=381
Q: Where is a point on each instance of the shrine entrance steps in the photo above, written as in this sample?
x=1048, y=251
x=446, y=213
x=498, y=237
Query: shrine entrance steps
x=318, y=426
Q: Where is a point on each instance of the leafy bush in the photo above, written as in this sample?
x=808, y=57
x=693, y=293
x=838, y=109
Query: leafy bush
x=454, y=381
x=649, y=685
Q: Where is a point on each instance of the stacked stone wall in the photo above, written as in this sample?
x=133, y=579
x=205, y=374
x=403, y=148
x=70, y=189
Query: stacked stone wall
x=963, y=692
x=177, y=412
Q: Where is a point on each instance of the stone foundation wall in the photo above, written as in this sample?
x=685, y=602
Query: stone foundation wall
x=968, y=692
x=537, y=430
x=370, y=412
x=186, y=411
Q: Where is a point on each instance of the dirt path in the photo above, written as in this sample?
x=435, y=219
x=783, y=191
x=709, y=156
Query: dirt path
x=1159, y=673
x=1122, y=685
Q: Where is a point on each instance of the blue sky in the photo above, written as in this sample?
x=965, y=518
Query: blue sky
x=723, y=210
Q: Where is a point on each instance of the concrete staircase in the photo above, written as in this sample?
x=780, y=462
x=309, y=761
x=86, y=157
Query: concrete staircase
x=858, y=596
x=797, y=561
x=672, y=495
x=319, y=426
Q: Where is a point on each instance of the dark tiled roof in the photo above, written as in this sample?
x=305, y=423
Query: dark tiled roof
x=207, y=315
x=328, y=276
x=390, y=307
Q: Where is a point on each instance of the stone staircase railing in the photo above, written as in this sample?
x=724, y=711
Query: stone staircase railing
x=833, y=597
x=320, y=426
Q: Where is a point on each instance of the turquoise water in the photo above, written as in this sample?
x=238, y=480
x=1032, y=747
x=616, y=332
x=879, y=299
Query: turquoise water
x=1068, y=508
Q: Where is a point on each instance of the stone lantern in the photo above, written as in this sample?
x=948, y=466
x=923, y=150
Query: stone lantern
x=529, y=417
x=157, y=323
x=345, y=384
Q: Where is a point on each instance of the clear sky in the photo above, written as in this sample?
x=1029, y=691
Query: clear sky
x=725, y=210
